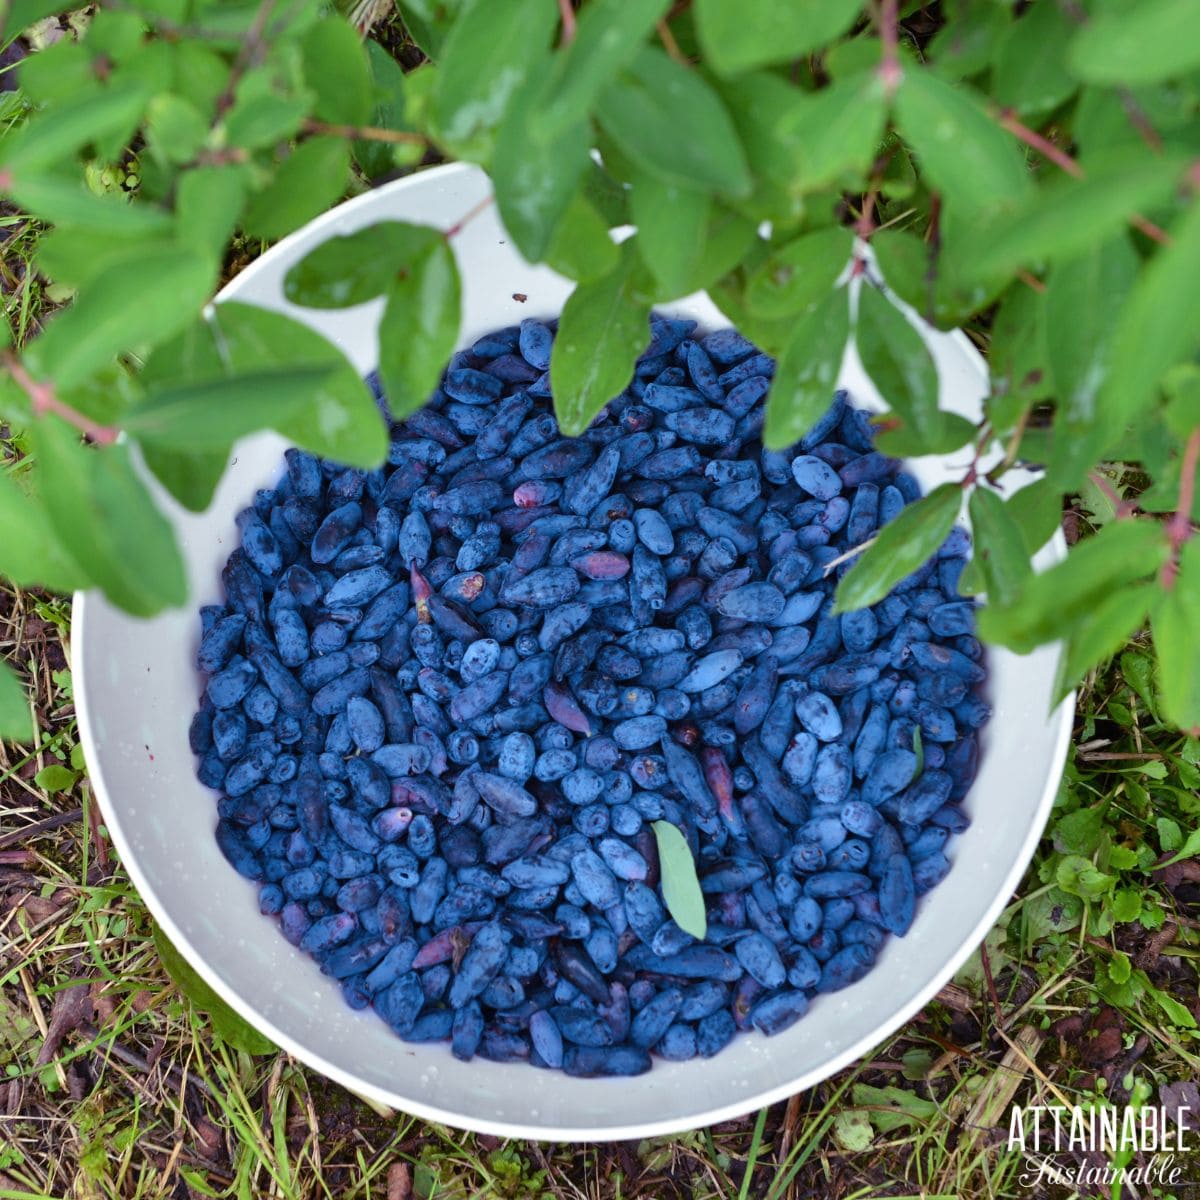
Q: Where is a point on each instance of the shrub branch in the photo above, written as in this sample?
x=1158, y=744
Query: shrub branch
x=1179, y=527
x=43, y=399
x=366, y=133
x=890, y=72
x=1061, y=159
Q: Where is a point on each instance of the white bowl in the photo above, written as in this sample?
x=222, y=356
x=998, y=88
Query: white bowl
x=136, y=689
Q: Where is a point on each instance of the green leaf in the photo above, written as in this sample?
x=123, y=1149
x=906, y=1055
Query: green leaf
x=191, y=477
x=226, y=1024
x=1182, y=414
x=582, y=247
x=104, y=517
x=68, y=202
x=1078, y=876
x=259, y=120
x=1100, y=504
x=1176, y=628
x=1137, y=670
x=1001, y=557
x=201, y=74
x=1157, y=39
x=55, y=778
x=388, y=111
x=176, y=128
x=1017, y=355
x=1177, y=1013
x=310, y=180
x=1119, y=967
x=30, y=553
x=891, y=1108
x=1052, y=911
x=897, y=360
x=1083, y=302
x=1189, y=849
x=735, y=39
x=1028, y=73
x=1079, y=832
x=536, y=177
x=486, y=58
x=1069, y=216
x=208, y=203
x=672, y=222
x=680, y=887
x=1126, y=904
x=940, y=283
x=602, y=330
x=945, y=433
x=1100, y=631
x=852, y=1130
x=770, y=336
x=608, y=195
x=728, y=238
x=20, y=14
x=16, y=723
x=967, y=41
x=1037, y=510
x=1170, y=836
x=962, y=152
x=799, y=275
x=607, y=39
x=211, y=416
x=55, y=136
x=356, y=267
x=899, y=548
x=1050, y=604
x=139, y=301
x=1157, y=327
x=58, y=72
x=839, y=129
x=429, y=21
x=919, y=752
x=1101, y=121
x=336, y=68
x=802, y=388
x=756, y=104
x=338, y=418
x=673, y=125
x=420, y=327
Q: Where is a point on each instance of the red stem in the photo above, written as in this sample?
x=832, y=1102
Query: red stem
x=890, y=73
x=467, y=218
x=1060, y=158
x=1121, y=508
x=1179, y=527
x=42, y=399
x=568, y=21
x=865, y=225
x=1045, y=147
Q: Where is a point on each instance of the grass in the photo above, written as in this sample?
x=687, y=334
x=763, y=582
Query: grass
x=113, y=1085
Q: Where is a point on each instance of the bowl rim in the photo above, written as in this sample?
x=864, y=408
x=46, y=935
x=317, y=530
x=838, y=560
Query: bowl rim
x=1060, y=719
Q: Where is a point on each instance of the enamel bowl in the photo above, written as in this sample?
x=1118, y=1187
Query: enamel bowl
x=136, y=689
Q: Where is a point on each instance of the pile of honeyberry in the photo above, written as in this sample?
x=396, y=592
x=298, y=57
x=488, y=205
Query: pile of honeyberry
x=447, y=699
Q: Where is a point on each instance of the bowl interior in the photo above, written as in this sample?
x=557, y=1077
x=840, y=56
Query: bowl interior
x=136, y=690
